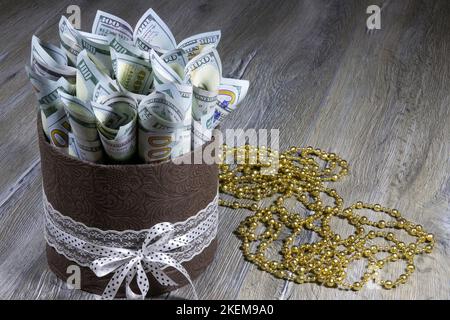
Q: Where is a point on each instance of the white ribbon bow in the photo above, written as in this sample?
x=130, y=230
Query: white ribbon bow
x=153, y=257
x=166, y=245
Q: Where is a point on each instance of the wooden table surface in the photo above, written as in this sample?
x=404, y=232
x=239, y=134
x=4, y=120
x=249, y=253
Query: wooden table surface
x=379, y=98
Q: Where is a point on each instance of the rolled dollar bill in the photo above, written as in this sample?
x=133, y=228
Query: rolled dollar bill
x=180, y=93
x=84, y=127
x=164, y=131
x=134, y=74
x=73, y=148
x=136, y=96
x=104, y=89
x=88, y=150
x=195, y=44
x=200, y=134
x=50, y=61
x=231, y=93
x=69, y=40
x=58, y=128
x=205, y=69
x=108, y=24
x=117, y=119
x=128, y=48
x=98, y=48
x=163, y=73
x=46, y=89
x=203, y=105
x=152, y=33
x=53, y=116
x=205, y=72
x=88, y=76
x=177, y=60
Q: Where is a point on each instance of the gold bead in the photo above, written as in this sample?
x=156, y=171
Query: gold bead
x=395, y=213
x=429, y=237
x=280, y=200
x=377, y=207
x=388, y=284
x=410, y=268
x=356, y=286
x=390, y=236
x=331, y=283
x=403, y=278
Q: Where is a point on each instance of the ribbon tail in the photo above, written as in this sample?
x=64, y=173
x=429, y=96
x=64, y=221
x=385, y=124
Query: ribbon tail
x=169, y=261
x=114, y=284
x=183, y=271
x=142, y=282
x=159, y=275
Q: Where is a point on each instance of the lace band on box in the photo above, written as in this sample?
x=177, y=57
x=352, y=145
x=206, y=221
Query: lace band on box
x=129, y=254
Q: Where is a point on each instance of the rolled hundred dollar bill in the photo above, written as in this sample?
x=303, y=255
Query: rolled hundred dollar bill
x=195, y=44
x=58, y=127
x=108, y=24
x=133, y=73
x=98, y=48
x=117, y=120
x=152, y=33
x=73, y=148
x=54, y=120
x=46, y=89
x=69, y=40
x=205, y=73
x=181, y=95
x=50, y=61
x=176, y=59
x=164, y=129
x=166, y=72
x=83, y=124
x=231, y=93
x=88, y=76
x=200, y=134
x=128, y=48
x=104, y=89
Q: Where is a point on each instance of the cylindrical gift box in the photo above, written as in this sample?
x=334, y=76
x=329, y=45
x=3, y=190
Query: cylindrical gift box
x=125, y=197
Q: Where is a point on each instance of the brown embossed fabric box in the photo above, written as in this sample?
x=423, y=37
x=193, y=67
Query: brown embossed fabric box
x=118, y=205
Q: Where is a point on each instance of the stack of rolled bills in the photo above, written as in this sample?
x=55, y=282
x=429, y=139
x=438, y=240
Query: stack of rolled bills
x=117, y=93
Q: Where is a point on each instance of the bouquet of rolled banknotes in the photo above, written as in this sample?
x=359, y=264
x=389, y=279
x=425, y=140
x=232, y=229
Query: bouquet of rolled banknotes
x=119, y=94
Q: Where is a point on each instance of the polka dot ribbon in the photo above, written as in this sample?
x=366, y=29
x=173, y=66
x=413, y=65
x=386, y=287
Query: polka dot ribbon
x=153, y=257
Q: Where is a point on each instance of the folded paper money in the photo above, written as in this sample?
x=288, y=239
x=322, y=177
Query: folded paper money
x=118, y=92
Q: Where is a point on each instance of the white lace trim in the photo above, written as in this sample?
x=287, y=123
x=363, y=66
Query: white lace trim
x=68, y=237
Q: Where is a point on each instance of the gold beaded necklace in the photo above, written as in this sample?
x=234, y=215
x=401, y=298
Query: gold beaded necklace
x=300, y=177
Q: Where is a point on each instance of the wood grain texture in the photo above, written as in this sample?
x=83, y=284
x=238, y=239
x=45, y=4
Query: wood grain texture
x=380, y=99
